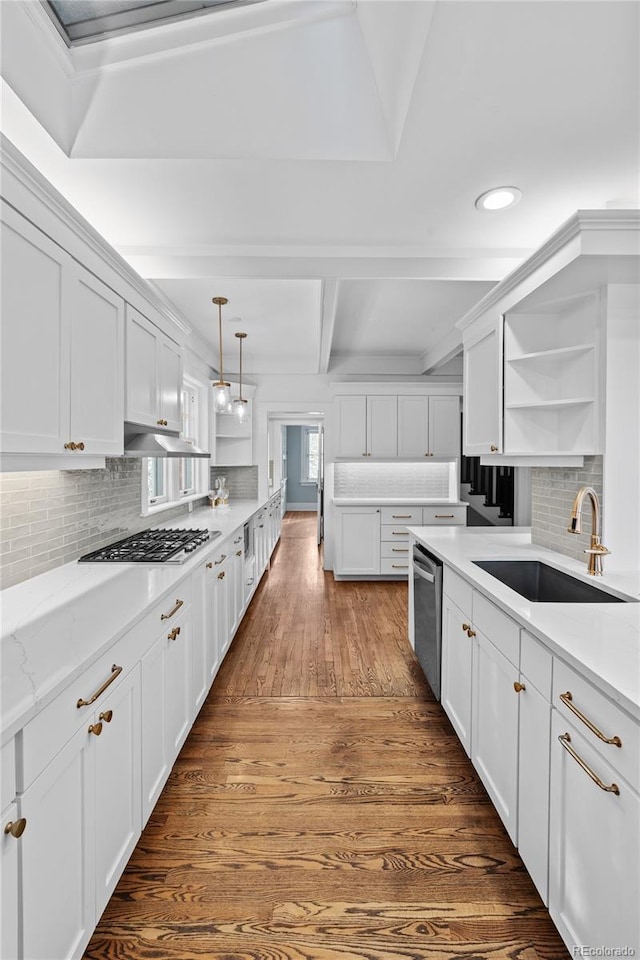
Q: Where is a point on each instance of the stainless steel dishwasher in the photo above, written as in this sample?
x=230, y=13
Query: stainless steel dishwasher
x=427, y=614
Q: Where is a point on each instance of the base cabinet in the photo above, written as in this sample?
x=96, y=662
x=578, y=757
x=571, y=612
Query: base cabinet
x=9, y=885
x=457, y=651
x=594, y=846
x=357, y=541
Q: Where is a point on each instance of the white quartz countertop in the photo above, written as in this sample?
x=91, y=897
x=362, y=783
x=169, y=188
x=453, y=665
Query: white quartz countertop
x=601, y=639
x=399, y=501
x=55, y=625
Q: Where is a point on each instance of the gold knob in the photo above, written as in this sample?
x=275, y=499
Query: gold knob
x=238, y=553
x=160, y=422
x=209, y=566
x=80, y=446
x=106, y=715
x=221, y=575
x=96, y=728
x=466, y=626
x=16, y=827
x=471, y=633
x=173, y=633
x=70, y=446
x=493, y=448
x=518, y=687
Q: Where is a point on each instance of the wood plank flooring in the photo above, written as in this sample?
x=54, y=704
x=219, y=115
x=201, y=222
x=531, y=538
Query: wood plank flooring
x=322, y=807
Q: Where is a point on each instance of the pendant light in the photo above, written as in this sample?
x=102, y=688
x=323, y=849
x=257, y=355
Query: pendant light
x=221, y=389
x=240, y=406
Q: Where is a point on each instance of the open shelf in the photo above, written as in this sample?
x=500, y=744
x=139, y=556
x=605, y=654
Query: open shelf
x=559, y=353
x=549, y=404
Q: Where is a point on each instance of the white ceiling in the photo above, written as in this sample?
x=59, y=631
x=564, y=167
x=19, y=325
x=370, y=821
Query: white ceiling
x=317, y=161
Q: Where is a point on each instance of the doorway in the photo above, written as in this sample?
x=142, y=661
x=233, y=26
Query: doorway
x=296, y=464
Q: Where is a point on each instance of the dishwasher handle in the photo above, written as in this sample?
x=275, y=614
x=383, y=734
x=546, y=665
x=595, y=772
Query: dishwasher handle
x=423, y=573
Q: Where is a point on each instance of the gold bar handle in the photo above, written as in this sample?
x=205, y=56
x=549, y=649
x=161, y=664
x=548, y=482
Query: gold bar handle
x=400, y=566
x=115, y=672
x=444, y=516
x=16, y=827
x=401, y=516
x=400, y=549
x=167, y=616
x=565, y=740
x=399, y=533
x=223, y=556
x=567, y=699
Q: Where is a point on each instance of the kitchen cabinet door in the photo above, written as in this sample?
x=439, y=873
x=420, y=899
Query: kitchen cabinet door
x=169, y=383
x=382, y=426
x=222, y=602
x=237, y=582
x=444, y=426
x=205, y=648
x=457, y=658
x=35, y=339
x=166, y=705
x=494, y=744
x=58, y=854
x=533, y=784
x=594, y=847
x=9, y=885
x=357, y=541
x=351, y=440
x=413, y=426
x=96, y=317
x=117, y=784
x=482, y=387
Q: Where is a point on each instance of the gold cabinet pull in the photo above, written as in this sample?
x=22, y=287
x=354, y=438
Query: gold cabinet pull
x=16, y=827
x=221, y=575
x=162, y=423
x=400, y=549
x=106, y=715
x=238, y=553
x=96, y=728
x=115, y=672
x=80, y=446
x=466, y=627
x=565, y=740
x=567, y=699
x=471, y=633
x=70, y=446
x=493, y=448
x=444, y=516
x=400, y=566
x=173, y=633
x=223, y=556
x=399, y=533
x=237, y=541
x=401, y=516
x=167, y=616
x=518, y=687
x=209, y=566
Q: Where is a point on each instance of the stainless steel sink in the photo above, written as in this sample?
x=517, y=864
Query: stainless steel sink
x=544, y=584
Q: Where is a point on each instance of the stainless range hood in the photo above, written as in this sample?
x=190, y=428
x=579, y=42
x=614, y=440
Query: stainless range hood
x=160, y=445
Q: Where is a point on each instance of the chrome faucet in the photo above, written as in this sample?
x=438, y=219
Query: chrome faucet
x=597, y=550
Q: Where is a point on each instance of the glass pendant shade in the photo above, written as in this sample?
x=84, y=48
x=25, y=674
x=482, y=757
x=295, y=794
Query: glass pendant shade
x=240, y=410
x=221, y=389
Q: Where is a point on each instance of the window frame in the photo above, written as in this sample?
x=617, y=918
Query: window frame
x=304, y=455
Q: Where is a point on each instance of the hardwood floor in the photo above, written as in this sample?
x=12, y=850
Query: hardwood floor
x=322, y=807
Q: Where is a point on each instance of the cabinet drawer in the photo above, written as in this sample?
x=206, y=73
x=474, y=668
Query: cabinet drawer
x=48, y=732
x=458, y=590
x=503, y=632
x=392, y=532
x=401, y=515
x=399, y=551
x=7, y=773
x=602, y=713
x=390, y=565
x=536, y=663
x=444, y=515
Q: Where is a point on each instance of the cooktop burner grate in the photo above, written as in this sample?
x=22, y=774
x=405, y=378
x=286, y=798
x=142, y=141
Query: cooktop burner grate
x=152, y=546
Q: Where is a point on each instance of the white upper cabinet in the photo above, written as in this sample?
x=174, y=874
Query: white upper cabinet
x=429, y=426
x=482, y=387
x=154, y=375
x=382, y=426
x=352, y=427
x=62, y=351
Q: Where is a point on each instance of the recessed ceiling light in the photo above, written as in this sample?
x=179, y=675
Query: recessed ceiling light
x=499, y=198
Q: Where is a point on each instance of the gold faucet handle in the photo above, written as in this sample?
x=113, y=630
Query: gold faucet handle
x=599, y=549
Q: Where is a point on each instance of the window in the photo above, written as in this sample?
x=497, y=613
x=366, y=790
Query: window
x=168, y=481
x=310, y=455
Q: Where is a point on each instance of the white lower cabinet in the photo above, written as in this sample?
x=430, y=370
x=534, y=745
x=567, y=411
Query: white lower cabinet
x=166, y=704
x=457, y=656
x=594, y=846
x=205, y=652
x=357, y=541
x=236, y=589
x=494, y=745
x=9, y=883
x=222, y=598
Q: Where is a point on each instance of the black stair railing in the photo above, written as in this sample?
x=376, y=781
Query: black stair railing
x=495, y=484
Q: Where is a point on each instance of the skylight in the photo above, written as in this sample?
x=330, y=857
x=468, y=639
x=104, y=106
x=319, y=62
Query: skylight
x=81, y=21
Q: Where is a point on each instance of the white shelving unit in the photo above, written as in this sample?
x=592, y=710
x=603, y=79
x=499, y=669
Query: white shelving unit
x=231, y=442
x=552, y=378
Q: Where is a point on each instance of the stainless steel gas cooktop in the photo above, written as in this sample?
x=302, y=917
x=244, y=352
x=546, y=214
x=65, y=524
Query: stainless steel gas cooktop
x=152, y=546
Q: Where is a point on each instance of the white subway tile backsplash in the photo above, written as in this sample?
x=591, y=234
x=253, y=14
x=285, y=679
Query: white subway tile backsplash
x=386, y=480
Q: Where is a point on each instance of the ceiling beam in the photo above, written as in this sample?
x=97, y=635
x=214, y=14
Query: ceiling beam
x=444, y=350
x=330, y=287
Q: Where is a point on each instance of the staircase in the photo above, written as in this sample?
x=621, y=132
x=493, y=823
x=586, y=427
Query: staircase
x=489, y=493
